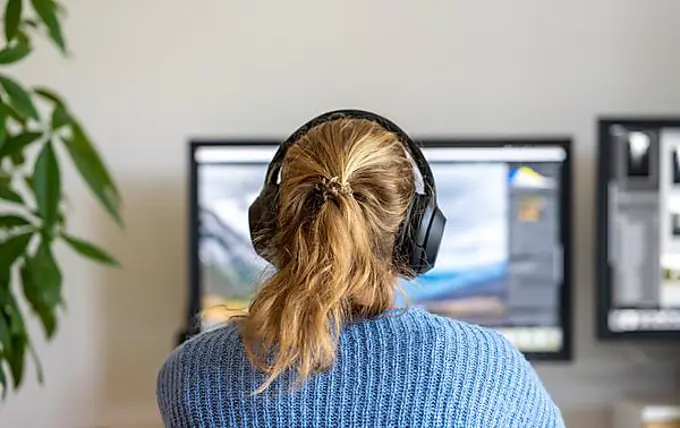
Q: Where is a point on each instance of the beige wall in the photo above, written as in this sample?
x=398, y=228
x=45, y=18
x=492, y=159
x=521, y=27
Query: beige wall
x=149, y=74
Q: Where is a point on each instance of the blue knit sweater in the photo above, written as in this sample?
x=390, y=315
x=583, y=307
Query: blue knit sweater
x=409, y=369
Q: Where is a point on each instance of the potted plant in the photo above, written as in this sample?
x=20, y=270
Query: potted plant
x=39, y=135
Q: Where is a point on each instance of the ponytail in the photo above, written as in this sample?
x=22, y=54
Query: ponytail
x=342, y=200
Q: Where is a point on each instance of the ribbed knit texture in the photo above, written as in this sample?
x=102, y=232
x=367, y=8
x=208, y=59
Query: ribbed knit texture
x=409, y=369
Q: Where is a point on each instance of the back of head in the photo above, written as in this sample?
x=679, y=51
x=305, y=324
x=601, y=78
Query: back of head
x=346, y=186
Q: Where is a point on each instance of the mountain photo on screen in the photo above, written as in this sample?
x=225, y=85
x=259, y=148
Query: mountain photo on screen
x=231, y=271
x=470, y=277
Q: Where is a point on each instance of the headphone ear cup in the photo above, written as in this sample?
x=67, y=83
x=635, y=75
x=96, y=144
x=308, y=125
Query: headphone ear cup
x=435, y=233
x=262, y=218
x=406, y=242
x=419, y=241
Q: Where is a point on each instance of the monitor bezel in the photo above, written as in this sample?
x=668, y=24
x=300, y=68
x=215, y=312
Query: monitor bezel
x=604, y=276
x=564, y=354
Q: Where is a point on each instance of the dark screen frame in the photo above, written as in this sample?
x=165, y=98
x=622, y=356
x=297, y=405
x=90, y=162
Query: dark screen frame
x=192, y=325
x=604, y=274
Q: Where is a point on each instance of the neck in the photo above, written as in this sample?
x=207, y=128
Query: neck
x=370, y=301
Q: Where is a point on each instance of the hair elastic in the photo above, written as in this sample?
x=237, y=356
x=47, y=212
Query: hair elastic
x=332, y=188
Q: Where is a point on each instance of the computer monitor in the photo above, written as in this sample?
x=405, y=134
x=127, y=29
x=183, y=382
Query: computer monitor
x=639, y=228
x=504, y=261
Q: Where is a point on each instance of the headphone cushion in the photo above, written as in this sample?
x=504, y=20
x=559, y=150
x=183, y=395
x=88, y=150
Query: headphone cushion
x=406, y=249
x=433, y=241
x=262, y=218
x=421, y=243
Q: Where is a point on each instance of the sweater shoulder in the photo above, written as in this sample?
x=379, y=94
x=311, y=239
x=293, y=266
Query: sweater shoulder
x=494, y=367
x=192, y=356
x=204, y=345
x=482, y=348
x=466, y=336
x=463, y=349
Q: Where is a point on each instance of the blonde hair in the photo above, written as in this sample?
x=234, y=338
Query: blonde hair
x=345, y=188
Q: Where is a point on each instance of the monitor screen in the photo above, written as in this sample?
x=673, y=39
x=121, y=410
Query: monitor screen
x=502, y=263
x=639, y=228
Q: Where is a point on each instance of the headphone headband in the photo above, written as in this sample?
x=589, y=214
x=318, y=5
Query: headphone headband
x=420, y=233
x=409, y=144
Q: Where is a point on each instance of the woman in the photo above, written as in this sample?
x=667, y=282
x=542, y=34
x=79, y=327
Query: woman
x=321, y=344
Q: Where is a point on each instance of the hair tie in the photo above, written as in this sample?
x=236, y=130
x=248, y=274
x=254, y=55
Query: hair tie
x=332, y=188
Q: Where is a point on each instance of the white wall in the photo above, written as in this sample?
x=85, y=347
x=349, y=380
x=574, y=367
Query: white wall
x=149, y=74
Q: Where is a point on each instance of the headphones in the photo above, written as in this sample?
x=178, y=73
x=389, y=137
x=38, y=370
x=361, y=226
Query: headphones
x=420, y=234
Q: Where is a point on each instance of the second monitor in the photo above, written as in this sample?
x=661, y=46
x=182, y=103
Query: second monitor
x=504, y=261
x=639, y=228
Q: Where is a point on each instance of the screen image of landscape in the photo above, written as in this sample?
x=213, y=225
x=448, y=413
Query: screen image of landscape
x=501, y=259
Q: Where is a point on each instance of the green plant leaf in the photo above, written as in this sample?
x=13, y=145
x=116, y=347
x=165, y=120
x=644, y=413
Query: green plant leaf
x=17, y=358
x=3, y=130
x=13, y=54
x=17, y=143
x=18, y=335
x=38, y=364
x=59, y=117
x=94, y=172
x=90, y=250
x=12, y=18
x=29, y=182
x=9, y=221
x=37, y=299
x=19, y=98
x=46, y=274
x=14, y=340
x=10, y=195
x=31, y=23
x=47, y=186
x=12, y=312
x=3, y=380
x=22, y=37
x=18, y=158
x=12, y=249
x=49, y=95
x=11, y=112
x=47, y=11
x=5, y=338
x=61, y=9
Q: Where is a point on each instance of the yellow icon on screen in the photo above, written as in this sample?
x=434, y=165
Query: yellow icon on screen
x=525, y=177
x=531, y=209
